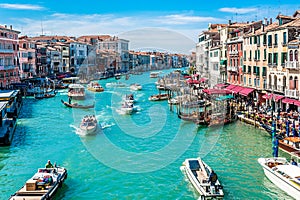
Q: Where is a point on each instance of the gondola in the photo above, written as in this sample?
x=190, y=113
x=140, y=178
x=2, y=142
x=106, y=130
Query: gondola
x=75, y=105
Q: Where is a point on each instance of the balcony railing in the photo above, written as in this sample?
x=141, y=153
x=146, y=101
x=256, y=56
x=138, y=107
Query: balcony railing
x=292, y=65
x=292, y=93
x=7, y=67
x=234, y=52
x=6, y=50
x=232, y=68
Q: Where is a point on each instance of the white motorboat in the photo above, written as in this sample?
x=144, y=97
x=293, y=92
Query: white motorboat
x=127, y=108
x=198, y=173
x=154, y=74
x=283, y=174
x=89, y=124
x=159, y=97
x=135, y=86
x=76, y=91
x=115, y=84
x=43, y=184
x=129, y=99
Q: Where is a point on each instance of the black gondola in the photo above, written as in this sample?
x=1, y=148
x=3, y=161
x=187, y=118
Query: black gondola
x=76, y=105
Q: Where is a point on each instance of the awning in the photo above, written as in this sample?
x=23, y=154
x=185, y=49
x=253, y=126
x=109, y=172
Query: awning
x=291, y=101
x=223, y=62
x=221, y=98
x=246, y=91
x=276, y=96
x=191, y=81
x=215, y=91
x=203, y=79
x=230, y=87
x=237, y=89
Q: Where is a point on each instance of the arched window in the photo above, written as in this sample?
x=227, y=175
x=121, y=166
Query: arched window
x=24, y=46
x=296, y=55
x=291, y=82
x=275, y=83
x=291, y=55
x=296, y=83
x=284, y=82
x=270, y=81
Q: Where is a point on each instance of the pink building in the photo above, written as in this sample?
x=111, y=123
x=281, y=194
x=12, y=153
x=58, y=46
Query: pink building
x=9, y=61
x=27, y=55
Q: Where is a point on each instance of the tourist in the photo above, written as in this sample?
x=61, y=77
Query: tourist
x=49, y=164
x=213, y=178
x=294, y=162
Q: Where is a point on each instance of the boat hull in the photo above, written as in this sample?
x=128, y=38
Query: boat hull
x=280, y=182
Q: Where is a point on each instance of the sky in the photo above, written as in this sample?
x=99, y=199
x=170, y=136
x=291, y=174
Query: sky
x=170, y=25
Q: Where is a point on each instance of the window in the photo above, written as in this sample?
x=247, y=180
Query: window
x=245, y=80
x=265, y=54
x=249, y=69
x=254, y=69
x=249, y=81
x=269, y=40
x=258, y=82
x=283, y=58
x=244, y=69
x=258, y=55
x=291, y=55
x=257, y=71
x=250, y=55
x=258, y=40
x=284, y=37
x=254, y=40
x=296, y=55
x=275, y=58
x=275, y=39
x=245, y=55
x=254, y=82
x=250, y=40
x=270, y=58
x=264, y=39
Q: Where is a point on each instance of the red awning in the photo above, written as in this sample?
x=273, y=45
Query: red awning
x=246, y=91
x=230, y=87
x=191, y=81
x=237, y=89
x=187, y=77
x=216, y=91
x=276, y=96
x=291, y=101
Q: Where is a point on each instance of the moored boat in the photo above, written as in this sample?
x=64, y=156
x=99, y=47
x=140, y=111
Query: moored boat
x=159, y=97
x=43, y=185
x=115, y=84
x=89, y=124
x=198, y=173
x=76, y=105
x=76, y=91
x=283, y=174
x=95, y=87
x=290, y=145
x=154, y=74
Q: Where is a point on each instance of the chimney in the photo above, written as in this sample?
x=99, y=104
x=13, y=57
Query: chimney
x=229, y=22
x=5, y=26
x=270, y=20
x=10, y=27
x=265, y=21
x=263, y=27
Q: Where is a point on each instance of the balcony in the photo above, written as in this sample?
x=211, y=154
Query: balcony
x=292, y=93
x=7, y=67
x=292, y=65
x=6, y=50
x=234, y=52
x=65, y=53
x=232, y=68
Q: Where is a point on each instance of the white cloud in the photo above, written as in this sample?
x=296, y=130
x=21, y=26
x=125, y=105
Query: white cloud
x=184, y=19
x=21, y=6
x=238, y=10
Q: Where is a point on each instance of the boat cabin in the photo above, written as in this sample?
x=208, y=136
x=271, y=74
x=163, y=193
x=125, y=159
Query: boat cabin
x=293, y=141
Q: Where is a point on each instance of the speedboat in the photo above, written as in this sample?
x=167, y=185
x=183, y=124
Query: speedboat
x=198, y=173
x=129, y=99
x=283, y=174
x=89, y=124
x=115, y=84
x=135, y=86
x=127, y=108
x=95, y=87
x=43, y=185
x=159, y=97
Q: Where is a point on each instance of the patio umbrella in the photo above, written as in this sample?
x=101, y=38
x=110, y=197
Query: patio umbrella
x=294, y=129
x=287, y=123
x=274, y=142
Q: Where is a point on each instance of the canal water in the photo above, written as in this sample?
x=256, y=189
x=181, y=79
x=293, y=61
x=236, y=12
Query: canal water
x=132, y=156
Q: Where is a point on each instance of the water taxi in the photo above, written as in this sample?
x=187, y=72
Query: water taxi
x=89, y=124
x=43, y=185
x=159, y=97
x=198, y=173
x=135, y=86
x=154, y=74
x=76, y=91
x=283, y=174
x=290, y=145
x=95, y=87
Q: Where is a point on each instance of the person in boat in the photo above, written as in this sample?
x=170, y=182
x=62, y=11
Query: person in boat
x=70, y=100
x=212, y=178
x=49, y=164
x=293, y=162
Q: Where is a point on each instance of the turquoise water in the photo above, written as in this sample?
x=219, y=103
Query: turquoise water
x=132, y=157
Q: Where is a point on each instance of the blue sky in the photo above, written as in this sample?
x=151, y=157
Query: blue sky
x=186, y=18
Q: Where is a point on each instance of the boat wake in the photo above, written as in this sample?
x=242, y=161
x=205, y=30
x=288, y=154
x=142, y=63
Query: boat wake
x=105, y=125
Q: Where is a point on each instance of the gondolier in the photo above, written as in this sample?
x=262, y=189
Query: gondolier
x=70, y=100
